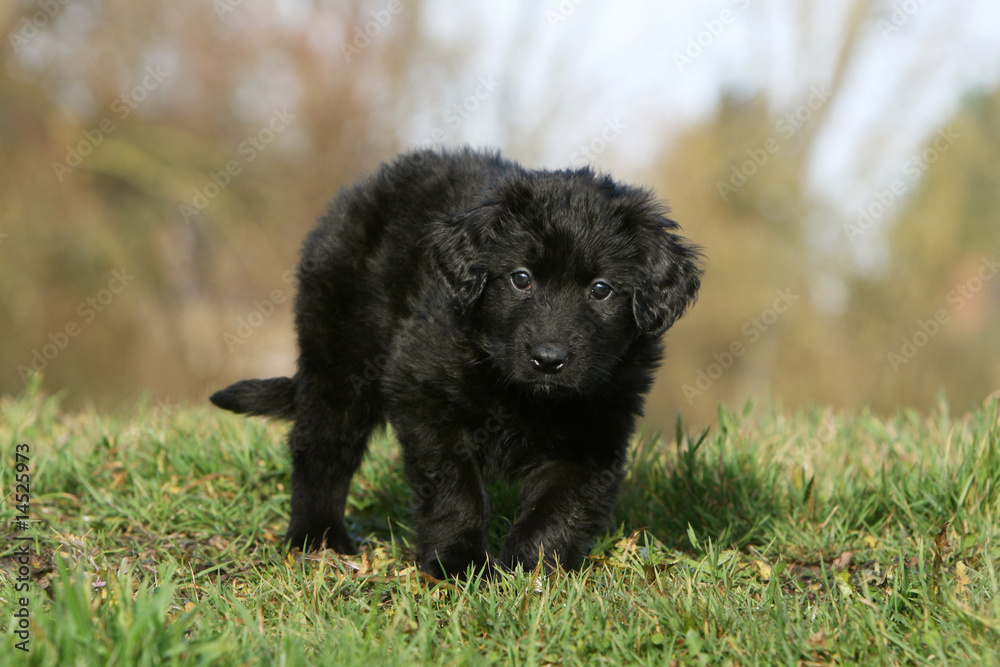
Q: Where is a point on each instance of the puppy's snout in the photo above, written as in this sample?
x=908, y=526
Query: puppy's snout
x=548, y=358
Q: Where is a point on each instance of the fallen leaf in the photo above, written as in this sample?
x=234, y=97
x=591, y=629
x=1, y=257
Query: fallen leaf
x=843, y=561
x=941, y=546
x=962, y=577
x=627, y=545
x=843, y=582
x=818, y=640
x=366, y=564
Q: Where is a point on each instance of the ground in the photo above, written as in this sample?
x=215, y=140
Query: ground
x=814, y=537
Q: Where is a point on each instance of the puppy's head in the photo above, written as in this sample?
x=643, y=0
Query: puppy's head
x=562, y=272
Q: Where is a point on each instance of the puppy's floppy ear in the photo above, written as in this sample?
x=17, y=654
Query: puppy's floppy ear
x=457, y=245
x=671, y=277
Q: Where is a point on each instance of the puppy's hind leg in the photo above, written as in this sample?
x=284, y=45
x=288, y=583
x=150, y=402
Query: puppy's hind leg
x=327, y=443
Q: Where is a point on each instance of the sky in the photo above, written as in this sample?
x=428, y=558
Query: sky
x=654, y=68
x=563, y=82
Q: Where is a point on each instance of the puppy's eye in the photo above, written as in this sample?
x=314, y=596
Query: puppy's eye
x=600, y=291
x=521, y=280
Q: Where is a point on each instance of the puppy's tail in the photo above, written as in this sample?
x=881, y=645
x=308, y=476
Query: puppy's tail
x=272, y=398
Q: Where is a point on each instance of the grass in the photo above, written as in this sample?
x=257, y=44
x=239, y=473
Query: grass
x=806, y=539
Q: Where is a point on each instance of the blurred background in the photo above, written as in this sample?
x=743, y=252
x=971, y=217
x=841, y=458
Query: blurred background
x=161, y=161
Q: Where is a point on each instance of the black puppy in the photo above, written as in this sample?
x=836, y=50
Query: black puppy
x=506, y=322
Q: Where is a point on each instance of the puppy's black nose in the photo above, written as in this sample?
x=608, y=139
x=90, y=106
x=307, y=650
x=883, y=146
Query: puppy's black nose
x=548, y=358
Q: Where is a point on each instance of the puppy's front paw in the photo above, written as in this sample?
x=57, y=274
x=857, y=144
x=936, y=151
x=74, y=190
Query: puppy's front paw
x=330, y=537
x=527, y=554
x=458, y=565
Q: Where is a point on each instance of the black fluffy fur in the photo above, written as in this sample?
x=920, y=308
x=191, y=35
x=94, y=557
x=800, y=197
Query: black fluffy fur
x=408, y=312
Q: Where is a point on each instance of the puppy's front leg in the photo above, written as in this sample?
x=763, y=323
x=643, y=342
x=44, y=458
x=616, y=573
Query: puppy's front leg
x=563, y=506
x=452, y=512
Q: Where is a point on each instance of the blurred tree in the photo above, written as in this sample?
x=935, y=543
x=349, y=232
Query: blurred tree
x=927, y=322
x=161, y=162
x=191, y=147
